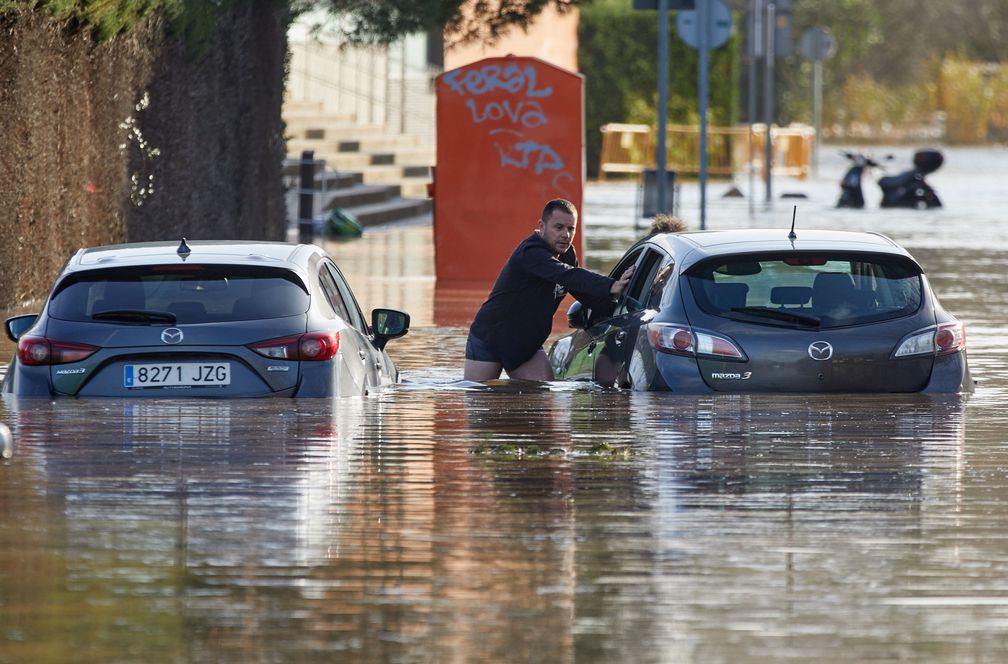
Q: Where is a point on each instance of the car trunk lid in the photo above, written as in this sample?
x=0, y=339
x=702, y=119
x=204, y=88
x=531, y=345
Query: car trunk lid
x=855, y=359
x=203, y=359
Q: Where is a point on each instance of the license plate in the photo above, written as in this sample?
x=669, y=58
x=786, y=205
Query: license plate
x=189, y=374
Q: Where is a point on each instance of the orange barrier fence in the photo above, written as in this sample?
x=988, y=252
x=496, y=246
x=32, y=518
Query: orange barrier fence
x=630, y=148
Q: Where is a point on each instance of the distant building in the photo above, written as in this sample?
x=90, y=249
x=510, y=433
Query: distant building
x=553, y=37
x=393, y=86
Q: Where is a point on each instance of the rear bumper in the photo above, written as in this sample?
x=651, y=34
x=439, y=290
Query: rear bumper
x=677, y=373
x=950, y=375
x=674, y=373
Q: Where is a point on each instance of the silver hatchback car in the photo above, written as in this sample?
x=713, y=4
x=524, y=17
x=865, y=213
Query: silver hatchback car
x=202, y=319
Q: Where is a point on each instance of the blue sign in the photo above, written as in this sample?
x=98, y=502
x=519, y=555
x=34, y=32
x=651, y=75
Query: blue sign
x=719, y=25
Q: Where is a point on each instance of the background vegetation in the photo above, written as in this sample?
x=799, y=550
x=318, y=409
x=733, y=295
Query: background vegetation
x=111, y=134
x=148, y=119
x=901, y=65
x=618, y=54
x=109, y=18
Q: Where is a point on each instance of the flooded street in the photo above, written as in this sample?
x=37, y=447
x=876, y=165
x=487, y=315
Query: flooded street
x=535, y=523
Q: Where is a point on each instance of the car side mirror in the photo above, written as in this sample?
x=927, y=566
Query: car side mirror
x=577, y=316
x=18, y=325
x=388, y=324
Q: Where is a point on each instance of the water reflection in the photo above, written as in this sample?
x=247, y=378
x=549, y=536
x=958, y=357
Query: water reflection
x=530, y=522
x=524, y=522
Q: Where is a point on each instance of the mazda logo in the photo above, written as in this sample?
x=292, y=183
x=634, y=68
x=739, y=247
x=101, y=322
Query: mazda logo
x=820, y=350
x=173, y=335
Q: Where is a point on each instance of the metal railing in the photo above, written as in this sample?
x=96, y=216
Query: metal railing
x=630, y=148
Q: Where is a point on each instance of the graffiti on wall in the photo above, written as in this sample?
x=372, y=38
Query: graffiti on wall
x=512, y=105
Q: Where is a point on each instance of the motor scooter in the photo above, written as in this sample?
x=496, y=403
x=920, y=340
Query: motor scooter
x=906, y=190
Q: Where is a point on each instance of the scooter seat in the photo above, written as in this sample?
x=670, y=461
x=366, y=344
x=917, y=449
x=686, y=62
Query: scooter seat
x=897, y=181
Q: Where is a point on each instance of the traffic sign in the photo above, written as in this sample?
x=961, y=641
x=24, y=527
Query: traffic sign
x=719, y=25
x=670, y=4
x=817, y=44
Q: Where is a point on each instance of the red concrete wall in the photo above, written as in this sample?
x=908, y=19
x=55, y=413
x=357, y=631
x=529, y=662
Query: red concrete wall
x=510, y=137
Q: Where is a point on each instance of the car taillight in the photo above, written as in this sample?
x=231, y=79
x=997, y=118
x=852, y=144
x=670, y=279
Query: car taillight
x=310, y=347
x=943, y=339
x=684, y=340
x=39, y=351
x=950, y=338
x=318, y=346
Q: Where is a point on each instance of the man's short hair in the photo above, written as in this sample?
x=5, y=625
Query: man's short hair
x=561, y=204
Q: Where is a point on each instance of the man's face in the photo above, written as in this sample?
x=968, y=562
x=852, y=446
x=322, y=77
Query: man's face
x=558, y=230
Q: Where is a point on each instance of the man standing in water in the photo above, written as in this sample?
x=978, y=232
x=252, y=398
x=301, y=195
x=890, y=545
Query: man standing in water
x=510, y=327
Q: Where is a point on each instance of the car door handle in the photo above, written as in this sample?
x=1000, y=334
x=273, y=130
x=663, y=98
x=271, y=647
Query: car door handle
x=363, y=355
x=620, y=337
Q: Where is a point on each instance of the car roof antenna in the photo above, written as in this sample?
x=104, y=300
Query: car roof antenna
x=183, y=249
x=791, y=236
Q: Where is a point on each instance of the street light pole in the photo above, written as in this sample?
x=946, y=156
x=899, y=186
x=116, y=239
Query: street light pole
x=703, y=35
x=663, y=46
x=768, y=100
x=756, y=32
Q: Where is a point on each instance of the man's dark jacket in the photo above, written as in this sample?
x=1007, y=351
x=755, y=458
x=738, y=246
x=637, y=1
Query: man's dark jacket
x=517, y=316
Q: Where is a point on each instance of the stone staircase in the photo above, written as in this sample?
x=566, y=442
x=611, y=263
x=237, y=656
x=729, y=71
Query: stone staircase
x=376, y=176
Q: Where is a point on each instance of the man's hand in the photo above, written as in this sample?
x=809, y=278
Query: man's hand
x=616, y=290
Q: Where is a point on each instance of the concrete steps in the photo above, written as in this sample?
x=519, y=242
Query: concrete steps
x=370, y=204
x=391, y=210
x=359, y=195
x=377, y=176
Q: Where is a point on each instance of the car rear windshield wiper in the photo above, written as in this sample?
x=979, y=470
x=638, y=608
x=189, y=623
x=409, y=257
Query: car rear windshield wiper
x=779, y=314
x=136, y=316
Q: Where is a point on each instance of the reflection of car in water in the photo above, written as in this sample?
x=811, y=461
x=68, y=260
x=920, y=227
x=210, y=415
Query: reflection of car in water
x=823, y=447
x=182, y=467
x=217, y=319
x=151, y=496
x=759, y=311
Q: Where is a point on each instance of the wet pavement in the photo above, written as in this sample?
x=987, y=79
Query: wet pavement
x=534, y=523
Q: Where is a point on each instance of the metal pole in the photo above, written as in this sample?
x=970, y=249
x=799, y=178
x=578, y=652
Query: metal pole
x=306, y=198
x=703, y=39
x=755, y=50
x=768, y=101
x=663, y=46
x=816, y=112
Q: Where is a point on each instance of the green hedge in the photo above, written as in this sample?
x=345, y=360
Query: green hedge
x=618, y=55
x=108, y=18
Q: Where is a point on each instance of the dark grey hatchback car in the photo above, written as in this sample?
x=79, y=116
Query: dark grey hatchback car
x=760, y=311
x=202, y=319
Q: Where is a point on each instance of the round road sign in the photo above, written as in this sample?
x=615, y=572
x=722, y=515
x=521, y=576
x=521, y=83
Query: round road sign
x=719, y=25
x=817, y=44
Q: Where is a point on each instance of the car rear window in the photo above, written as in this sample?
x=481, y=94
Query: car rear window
x=191, y=293
x=808, y=289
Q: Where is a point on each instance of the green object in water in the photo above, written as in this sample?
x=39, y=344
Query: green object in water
x=342, y=224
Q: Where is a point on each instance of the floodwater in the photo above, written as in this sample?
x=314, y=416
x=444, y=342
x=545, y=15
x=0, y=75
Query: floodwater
x=534, y=523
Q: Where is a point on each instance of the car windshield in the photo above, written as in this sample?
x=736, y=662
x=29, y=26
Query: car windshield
x=808, y=290
x=186, y=293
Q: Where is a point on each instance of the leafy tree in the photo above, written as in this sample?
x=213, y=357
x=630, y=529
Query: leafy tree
x=896, y=44
x=194, y=20
x=857, y=30
x=384, y=21
x=618, y=55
